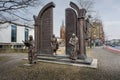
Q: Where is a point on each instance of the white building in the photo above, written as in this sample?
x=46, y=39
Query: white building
x=12, y=35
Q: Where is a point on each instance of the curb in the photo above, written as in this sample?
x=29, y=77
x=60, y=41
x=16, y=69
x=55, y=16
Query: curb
x=112, y=49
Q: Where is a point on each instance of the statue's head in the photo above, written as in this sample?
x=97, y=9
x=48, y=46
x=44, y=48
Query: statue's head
x=30, y=37
x=73, y=35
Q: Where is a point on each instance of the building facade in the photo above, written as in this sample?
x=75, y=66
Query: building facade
x=12, y=35
x=62, y=31
x=96, y=34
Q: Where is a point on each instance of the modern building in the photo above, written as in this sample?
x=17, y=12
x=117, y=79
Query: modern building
x=11, y=35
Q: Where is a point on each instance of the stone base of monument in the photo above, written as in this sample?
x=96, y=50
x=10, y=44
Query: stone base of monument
x=64, y=59
x=27, y=64
x=25, y=58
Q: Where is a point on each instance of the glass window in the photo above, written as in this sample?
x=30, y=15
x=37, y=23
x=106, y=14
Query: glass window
x=26, y=34
x=13, y=33
x=1, y=46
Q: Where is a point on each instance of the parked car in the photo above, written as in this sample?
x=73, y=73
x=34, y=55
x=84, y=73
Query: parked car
x=112, y=45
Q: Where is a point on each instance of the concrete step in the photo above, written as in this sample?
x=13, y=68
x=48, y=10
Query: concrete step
x=87, y=61
x=51, y=55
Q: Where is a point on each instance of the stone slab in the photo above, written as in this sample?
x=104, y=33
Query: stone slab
x=92, y=65
x=27, y=64
x=71, y=26
x=25, y=58
x=66, y=58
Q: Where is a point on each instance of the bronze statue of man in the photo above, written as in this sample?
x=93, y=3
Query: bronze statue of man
x=74, y=46
x=31, y=50
x=54, y=44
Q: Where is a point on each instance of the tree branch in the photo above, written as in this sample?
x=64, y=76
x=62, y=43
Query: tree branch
x=19, y=16
x=9, y=10
x=16, y=4
x=15, y=23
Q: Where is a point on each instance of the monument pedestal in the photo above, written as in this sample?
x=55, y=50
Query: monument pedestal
x=64, y=58
x=82, y=56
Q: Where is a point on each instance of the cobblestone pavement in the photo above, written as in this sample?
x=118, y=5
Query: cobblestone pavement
x=108, y=64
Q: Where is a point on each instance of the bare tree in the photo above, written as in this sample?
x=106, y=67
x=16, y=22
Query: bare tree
x=86, y=4
x=10, y=10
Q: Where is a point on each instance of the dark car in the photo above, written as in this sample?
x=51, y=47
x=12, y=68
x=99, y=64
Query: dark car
x=112, y=45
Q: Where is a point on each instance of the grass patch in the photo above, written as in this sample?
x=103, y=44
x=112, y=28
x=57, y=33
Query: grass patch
x=3, y=58
x=13, y=50
x=48, y=71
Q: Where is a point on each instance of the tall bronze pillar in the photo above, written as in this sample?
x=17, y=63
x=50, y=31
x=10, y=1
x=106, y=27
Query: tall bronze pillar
x=81, y=21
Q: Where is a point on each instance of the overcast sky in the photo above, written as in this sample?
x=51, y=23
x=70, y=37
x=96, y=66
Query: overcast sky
x=108, y=11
